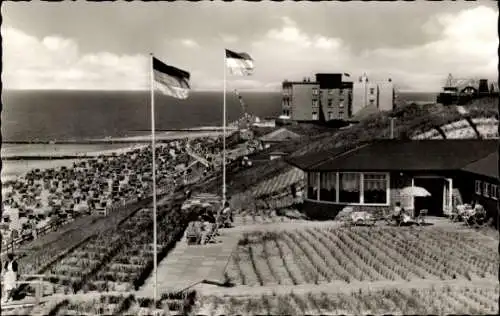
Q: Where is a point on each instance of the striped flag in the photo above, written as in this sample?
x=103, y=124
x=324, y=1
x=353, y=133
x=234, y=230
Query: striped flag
x=170, y=80
x=239, y=63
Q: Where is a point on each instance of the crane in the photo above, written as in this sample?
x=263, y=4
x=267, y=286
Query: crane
x=245, y=123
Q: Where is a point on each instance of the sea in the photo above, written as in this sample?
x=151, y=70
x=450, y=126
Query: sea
x=43, y=116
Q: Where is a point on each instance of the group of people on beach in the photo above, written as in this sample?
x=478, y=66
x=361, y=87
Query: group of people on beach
x=51, y=196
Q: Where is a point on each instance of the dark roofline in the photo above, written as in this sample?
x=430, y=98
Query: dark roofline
x=471, y=167
x=335, y=156
x=328, y=159
x=299, y=82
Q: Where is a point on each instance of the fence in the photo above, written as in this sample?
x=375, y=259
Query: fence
x=36, y=280
x=8, y=244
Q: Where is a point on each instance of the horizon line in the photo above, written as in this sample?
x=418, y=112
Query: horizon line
x=192, y=90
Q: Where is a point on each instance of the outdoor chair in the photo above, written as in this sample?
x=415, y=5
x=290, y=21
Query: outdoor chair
x=477, y=219
x=361, y=218
x=421, y=217
x=455, y=215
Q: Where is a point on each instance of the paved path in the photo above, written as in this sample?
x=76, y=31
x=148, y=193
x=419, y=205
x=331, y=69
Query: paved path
x=186, y=265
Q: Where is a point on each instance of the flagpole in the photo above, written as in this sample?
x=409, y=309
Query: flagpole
x=153, y=135
x=224, y=137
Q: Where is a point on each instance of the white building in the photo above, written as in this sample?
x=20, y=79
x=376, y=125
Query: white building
x=379, y=95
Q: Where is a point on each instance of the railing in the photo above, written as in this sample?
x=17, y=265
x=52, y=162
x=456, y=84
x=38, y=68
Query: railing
x=8, y=244
x=38, y=284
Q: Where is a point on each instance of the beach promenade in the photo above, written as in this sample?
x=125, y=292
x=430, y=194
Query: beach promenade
x=187, y=266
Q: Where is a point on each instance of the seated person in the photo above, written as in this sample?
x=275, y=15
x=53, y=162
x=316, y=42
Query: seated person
x=397, y=212
x=478, y=208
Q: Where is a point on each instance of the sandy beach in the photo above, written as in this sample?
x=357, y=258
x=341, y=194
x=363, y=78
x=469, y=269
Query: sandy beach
x=199, y=133
x=12, y=169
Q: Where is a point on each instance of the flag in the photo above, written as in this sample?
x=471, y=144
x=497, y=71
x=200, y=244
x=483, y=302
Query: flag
x=170, y=80
x=239, y=63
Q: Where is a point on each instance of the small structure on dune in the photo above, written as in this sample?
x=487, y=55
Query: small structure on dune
x=372, y=177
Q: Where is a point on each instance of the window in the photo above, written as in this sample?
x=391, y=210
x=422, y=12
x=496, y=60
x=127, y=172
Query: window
x=315, y=103
x=341, y=113
x=372, y=90
x=494, y=192
x=478, y=187
x=372, y=102
x=375, y=188
x=314, y=115
x=330, y=115
x=341, y=105
x=330, y=91
x=486, y=189
x=328, y=186
x=330, y=102
x=312, y=186
x=349, y=190
x=315, y=91
x=350, y=187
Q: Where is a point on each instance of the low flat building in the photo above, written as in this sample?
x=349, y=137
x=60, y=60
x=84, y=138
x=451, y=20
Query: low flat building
x=371, y=176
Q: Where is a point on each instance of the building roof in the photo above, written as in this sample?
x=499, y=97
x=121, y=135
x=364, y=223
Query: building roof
x=487, y=166
x=387, y=155
x=290, y=83
x=279, y=135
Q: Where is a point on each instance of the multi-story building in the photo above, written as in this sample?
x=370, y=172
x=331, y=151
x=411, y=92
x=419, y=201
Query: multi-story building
x=380, y=95
x=327, y=98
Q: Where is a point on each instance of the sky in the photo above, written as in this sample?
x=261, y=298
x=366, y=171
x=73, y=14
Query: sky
x=105, y=46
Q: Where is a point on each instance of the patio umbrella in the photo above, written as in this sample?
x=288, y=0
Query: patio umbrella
x=415, y=191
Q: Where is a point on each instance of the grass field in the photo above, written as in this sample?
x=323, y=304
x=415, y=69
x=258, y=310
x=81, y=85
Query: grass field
x=319, y=255
x=433, y=301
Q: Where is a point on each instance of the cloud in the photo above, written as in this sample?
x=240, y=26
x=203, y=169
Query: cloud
x=290, y=33
x=464, y=44
x=226, y=38
x=54, y=62
x=467, y=47
x=189, y=43
x=290, y=53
